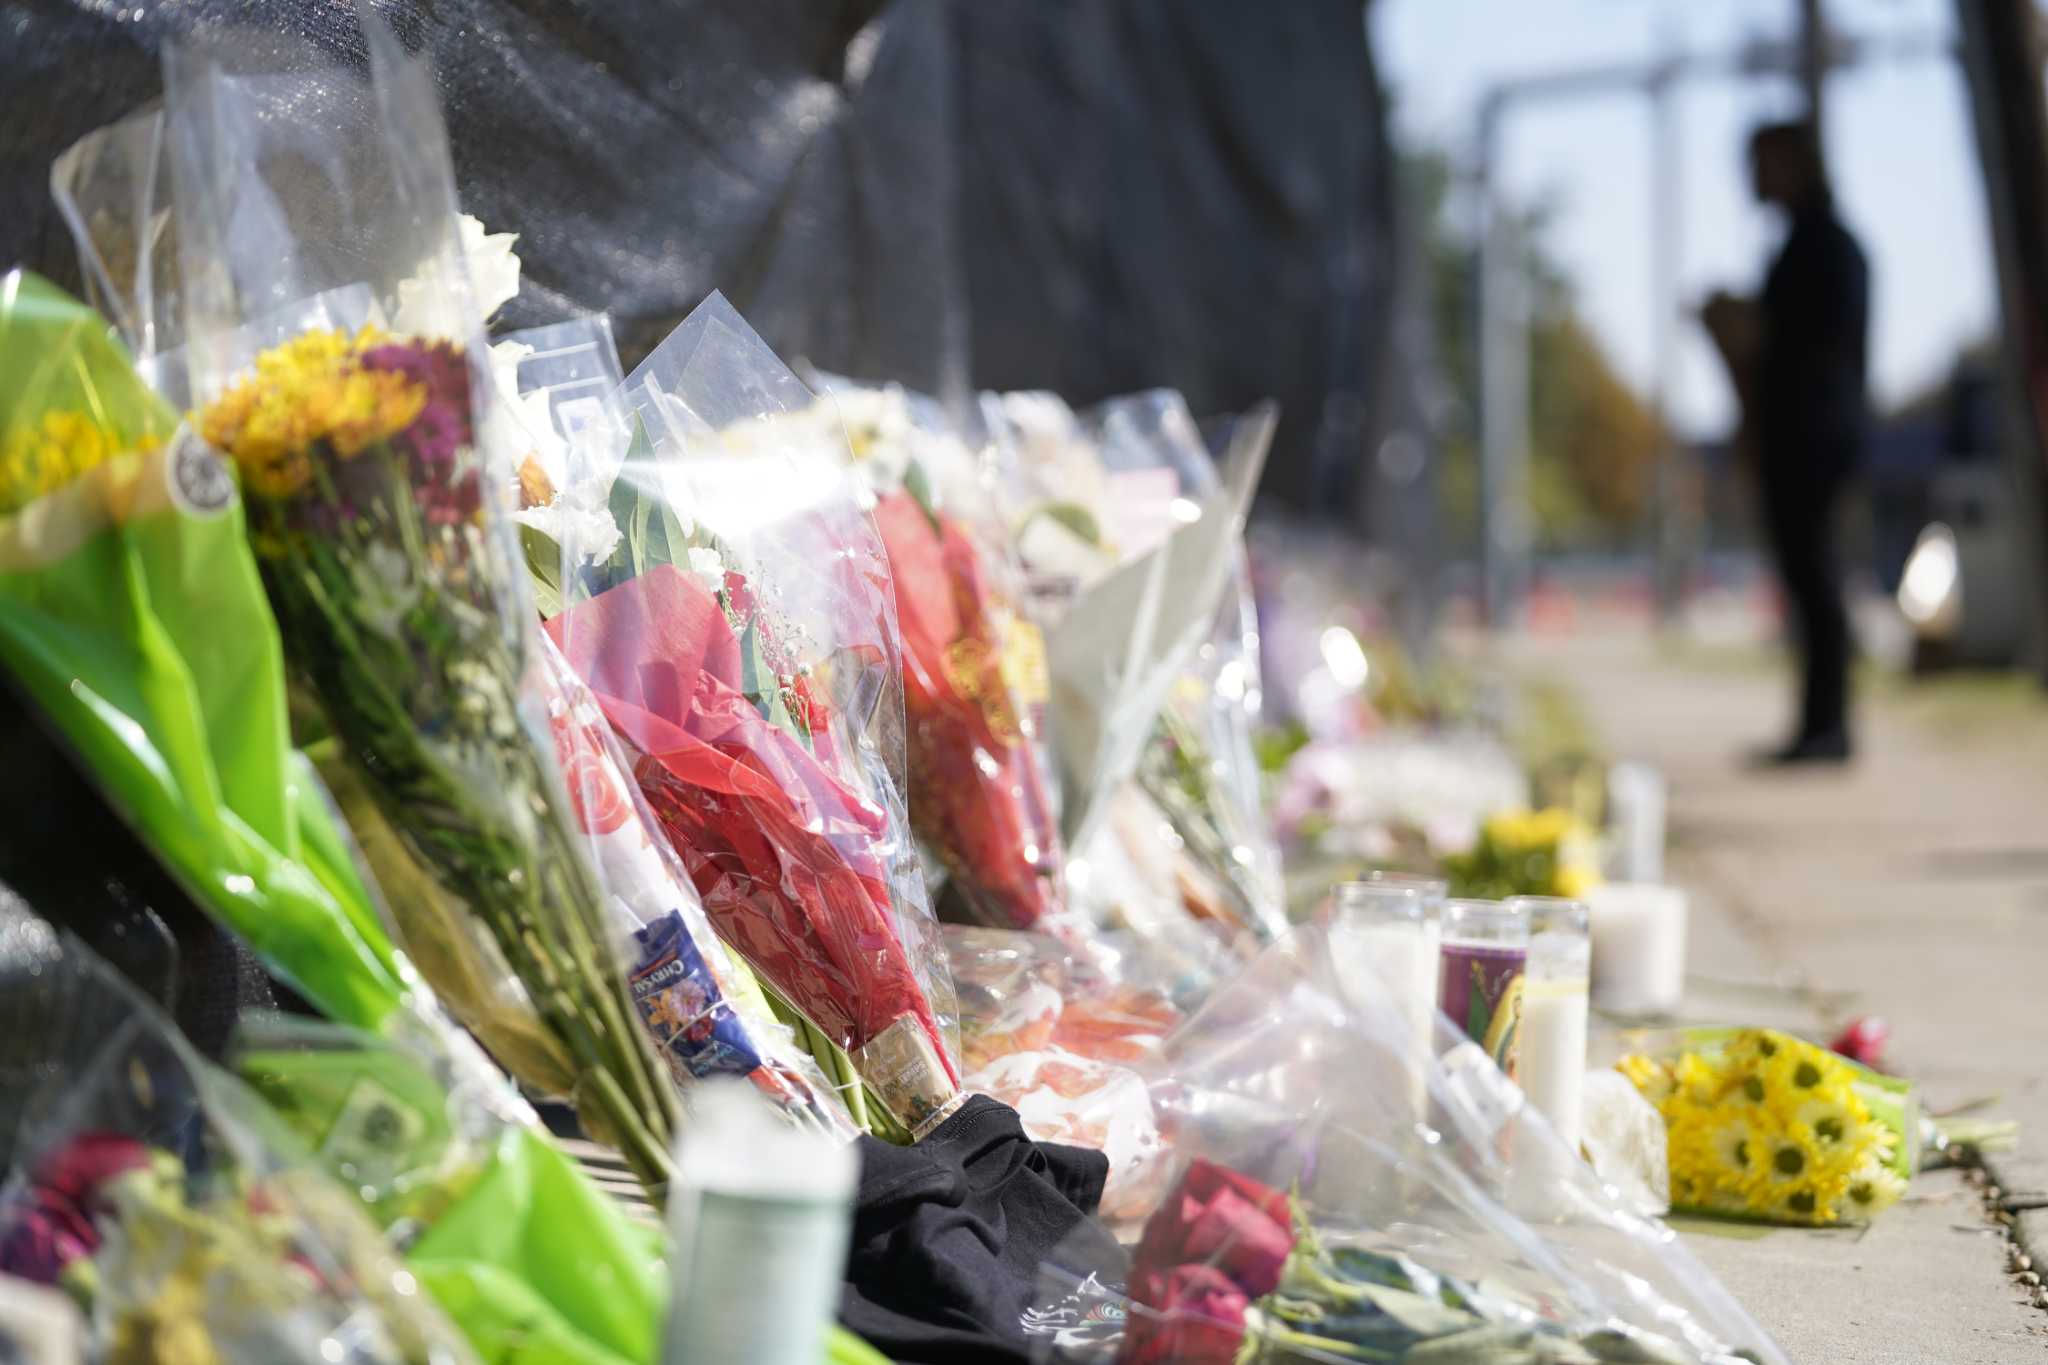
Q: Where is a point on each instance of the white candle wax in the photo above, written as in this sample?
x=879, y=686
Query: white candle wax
x=1635, y=801
x=1393, y=968
x=1638, y=934
x=1553, y=1052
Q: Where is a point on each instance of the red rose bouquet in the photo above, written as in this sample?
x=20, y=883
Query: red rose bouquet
x=742, y=641
x=974, y=685
x=978, y=796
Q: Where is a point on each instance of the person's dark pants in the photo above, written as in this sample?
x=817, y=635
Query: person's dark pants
x=1800, y=516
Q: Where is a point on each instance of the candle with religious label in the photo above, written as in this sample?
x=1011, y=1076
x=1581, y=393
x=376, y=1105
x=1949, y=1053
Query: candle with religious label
x=1552, y=1063
x=1485, y=948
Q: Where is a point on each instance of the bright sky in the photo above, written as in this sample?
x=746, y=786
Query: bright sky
x=1899, y=146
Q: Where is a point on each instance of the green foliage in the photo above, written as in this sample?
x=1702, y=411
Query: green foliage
x=1593, y=440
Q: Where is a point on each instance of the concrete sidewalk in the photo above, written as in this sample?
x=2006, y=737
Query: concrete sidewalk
x=1913, y=885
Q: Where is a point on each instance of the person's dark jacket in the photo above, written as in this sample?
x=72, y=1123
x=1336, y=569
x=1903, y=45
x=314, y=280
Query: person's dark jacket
x=1811, y=401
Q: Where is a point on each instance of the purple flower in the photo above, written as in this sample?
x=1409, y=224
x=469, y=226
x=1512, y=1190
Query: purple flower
x=436, y=435
x=443, y=425
x=451, y=503
x=439, y=366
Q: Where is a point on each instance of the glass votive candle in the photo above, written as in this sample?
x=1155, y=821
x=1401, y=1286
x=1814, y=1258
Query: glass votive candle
x=1638, y=947
x=1383, y=940
x=1554, y=1009
x=1484, y=948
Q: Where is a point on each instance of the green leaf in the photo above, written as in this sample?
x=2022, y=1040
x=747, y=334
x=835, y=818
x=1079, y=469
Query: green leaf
x=544, y=568
x=1075, y=518
x=759, y=685
x=919, y=486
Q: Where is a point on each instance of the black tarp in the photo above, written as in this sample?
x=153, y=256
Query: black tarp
x=1093, y=196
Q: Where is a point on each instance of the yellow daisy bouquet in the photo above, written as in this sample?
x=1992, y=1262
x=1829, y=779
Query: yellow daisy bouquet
x=1765, y=1126
x=1527, y=853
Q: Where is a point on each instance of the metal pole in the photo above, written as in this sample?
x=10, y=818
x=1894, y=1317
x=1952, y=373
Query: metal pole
x=2002, y=56
x=1670, y=524
x=1813, y=59
x=1503, y=392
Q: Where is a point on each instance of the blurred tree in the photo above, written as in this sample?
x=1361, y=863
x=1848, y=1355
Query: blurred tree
x=1593, y=440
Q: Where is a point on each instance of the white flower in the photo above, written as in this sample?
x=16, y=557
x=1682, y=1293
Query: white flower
x=520, y=425
x=426, y=301
x=493, y=265
x=707, y=568
x=584, y=528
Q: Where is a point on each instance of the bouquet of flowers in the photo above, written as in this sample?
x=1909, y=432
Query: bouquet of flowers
x=1312, y=1217
x=373, y=527
x=1108, y=509
x=191, y=1225
x=139, y=625
x=704, y=1012
x=973, y=668
x=455, y=1169
x=1232, y=1272
x=742, y=641
x=136, y=620
x=1763, y=1125
x=1527, y=853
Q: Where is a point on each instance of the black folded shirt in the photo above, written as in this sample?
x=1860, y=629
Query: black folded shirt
x=948, y=1236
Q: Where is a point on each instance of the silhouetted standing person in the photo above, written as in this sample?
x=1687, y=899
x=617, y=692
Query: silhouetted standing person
x=1797, y=355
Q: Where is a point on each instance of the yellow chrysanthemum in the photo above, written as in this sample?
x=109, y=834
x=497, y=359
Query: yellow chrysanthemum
x=43, y=456
x=1872, y=1189
x=307, y=390
x=1800, y=1071
x=1831, y=1120
x=1739, y=1148
x=1698, y=1079
x=1650, y=1077
x=1573, y=881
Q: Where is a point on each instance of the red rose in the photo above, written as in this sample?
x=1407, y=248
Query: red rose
x=1222, y=1219
x=53, y=1225
x=1863, y=1041
x=1196, y=1317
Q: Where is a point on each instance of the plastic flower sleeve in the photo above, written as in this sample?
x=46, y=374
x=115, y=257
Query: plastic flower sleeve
x=742, y=641
x=114, y=190
x=451, y=1163
x=136, y=620
x=1058, y=1039
x=1317, y=1212
x=192, y=1222
x=973, y=665
x=1198, y=765
x=703, y=1011
x=315, y=211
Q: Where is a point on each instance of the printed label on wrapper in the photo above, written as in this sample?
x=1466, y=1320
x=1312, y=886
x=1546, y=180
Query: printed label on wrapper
x=196, y=477
x=904, y=1069
x=679, y=999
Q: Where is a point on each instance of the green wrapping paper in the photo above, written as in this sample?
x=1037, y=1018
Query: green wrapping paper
x=521, y=1250
x=131, y=611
